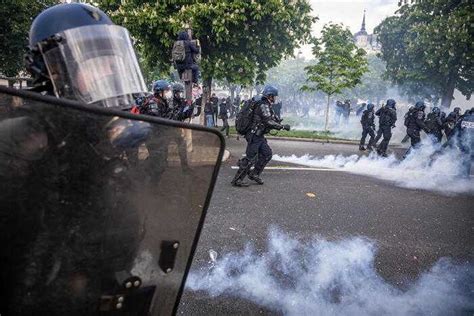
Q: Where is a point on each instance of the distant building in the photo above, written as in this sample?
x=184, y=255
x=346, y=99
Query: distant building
x=366, y=41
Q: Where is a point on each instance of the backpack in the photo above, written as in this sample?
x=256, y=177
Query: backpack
x=243, y=120
x=178, y=53
x=408, y=117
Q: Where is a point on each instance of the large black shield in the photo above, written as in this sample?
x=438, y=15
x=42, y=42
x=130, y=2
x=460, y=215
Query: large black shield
x=100, y=210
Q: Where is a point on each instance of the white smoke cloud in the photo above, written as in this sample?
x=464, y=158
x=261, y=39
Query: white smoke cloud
x=350, y=129
x=323, y=277
x=427, y=168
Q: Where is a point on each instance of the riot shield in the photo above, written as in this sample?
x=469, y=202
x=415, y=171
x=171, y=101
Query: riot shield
x=100, y=210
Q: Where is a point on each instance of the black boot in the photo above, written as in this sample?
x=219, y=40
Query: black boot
x=254, y=177
x=239, y=183
x=244, y=166
x=382, y=153
x=361, y=148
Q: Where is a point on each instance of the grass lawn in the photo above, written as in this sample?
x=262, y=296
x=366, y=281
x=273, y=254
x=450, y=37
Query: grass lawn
x=299, y=134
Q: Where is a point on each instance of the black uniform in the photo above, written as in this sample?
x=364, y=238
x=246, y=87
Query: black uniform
x=387, y=118
x=258, y=152
x=450, y=123
x=180, y=110
x=415, y=122
x=156, y=106
x=158, y=145
x=464, y=135
x=368, y=127
x=434, y=124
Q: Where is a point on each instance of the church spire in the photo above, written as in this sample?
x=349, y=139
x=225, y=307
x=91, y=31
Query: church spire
x=363, y=23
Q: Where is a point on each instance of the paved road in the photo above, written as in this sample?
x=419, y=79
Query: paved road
x=412, y=228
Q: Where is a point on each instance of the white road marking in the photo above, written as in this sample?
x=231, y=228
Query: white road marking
x=345, y=170
x=295, y=168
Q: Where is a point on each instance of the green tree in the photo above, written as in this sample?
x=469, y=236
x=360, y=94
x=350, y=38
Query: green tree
x=240, y=40
x=289, y=75
x=340, y=64
x=428, y=47
x=373, y=85
x=15, y=21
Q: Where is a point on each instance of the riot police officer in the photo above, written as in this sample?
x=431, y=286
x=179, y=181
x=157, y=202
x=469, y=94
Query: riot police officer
x=415, y=122
x=157, y=103
x=387, y=118
x=180, y=110
x=464, y=135
x=451, y=121
x=64, y=220
x=434, y=124
x=368, y=127
x=258, y=152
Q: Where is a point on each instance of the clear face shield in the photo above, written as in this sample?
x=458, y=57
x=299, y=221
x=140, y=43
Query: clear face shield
x=96, y=65
x=273, y=99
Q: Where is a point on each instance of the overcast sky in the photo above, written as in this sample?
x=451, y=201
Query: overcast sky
x=350, y=12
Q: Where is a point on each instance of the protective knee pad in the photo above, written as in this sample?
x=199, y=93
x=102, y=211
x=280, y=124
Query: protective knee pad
x=243, y=162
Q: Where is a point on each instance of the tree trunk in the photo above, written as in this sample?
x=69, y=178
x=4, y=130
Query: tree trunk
x=327, y=114
x=11, y=83
x=232, y=93
x=206, y=95
x=448, y=93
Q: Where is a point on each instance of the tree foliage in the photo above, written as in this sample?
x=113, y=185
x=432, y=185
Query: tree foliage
x=289, y=76
x=240, y=39
x=373, y=86
x=15, y=21
x=340, y=64
x=428, y=47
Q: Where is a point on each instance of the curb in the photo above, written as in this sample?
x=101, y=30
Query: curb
x=226, y=155
x=311, y=140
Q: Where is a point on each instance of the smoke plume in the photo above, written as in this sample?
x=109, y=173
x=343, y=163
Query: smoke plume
x=350, y=129
x=323, y=277
x=427, y=168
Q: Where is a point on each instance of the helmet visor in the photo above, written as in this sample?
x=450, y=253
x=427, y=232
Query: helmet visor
x=93, y=64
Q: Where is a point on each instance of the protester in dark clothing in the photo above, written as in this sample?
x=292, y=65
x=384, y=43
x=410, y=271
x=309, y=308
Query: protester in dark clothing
x=198, y=106
x=223, y=109
x=234, y=108
x=346, y=110
x=214, y=100
x=387, y=118
x=339, y=112
x=189, y=62
x=368, y=127
x=209, y=114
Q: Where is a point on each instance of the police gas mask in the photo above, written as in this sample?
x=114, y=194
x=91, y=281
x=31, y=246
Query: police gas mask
x=272, y=99
x=95, y=64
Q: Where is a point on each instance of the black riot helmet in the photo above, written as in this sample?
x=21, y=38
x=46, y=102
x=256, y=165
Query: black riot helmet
x=77, y=52
x=436, y=110
x=457, y=110
x=391, y=103
x=420, y=105
x=370, y=106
